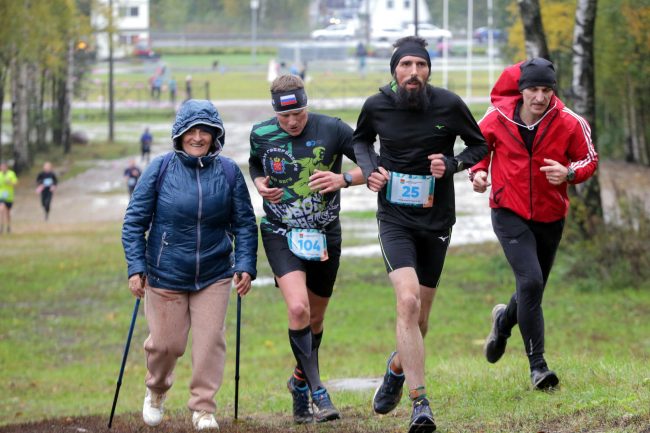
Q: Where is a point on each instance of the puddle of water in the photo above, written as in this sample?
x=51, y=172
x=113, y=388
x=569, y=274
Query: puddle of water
x=353, y=384
x=264, y=281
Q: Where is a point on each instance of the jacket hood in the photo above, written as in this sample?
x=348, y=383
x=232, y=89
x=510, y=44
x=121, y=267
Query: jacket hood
x=389, y=90
x=505, y=94
x=198, y=112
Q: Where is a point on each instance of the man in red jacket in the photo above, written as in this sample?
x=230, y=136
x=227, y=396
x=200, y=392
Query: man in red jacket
x=537, y=146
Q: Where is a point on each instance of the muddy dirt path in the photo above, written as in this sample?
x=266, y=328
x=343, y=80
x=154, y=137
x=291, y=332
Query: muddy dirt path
x=99, y=194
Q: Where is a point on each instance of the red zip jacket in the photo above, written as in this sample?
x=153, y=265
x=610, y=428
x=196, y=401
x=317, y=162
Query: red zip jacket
x=517, y=182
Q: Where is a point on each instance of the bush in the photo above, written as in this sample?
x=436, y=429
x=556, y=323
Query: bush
x=616, y=257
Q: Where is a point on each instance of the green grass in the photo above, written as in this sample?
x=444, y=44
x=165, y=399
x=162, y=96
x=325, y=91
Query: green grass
x=237, y=78
x=66, y=309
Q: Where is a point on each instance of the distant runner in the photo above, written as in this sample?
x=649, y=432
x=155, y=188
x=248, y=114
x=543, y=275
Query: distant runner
x=47, y=182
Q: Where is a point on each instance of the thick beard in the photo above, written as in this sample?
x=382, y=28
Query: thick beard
x=416, y=100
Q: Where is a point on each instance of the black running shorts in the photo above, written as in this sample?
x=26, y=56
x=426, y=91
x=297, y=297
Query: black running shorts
x=320, y=275
x=423, y=250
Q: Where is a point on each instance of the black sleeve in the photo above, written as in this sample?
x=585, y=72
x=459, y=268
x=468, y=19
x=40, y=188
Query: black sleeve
x=255, y=168
x=469, y=131
x=363, y=141
x=344, y=137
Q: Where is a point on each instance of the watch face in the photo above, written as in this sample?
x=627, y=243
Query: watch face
x=570, y=175
x=347, y=177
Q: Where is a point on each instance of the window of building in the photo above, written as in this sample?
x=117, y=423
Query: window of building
x=390, y=4
x=407, y=4
x=128, y=11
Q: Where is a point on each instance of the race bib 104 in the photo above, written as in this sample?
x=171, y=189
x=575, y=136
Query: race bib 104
x=308, y=244
x=410, y=190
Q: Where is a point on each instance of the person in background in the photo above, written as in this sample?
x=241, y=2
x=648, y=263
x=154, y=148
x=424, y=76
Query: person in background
x=295, y=163
x=146, y=140
x=46, y=182
x=189, y=232
x=188, y=87
x=361, y=54
x=131, y=175
x=537, y=148
x=8, y=180
x=173, y=87
x=156, y=86
x=413, y=173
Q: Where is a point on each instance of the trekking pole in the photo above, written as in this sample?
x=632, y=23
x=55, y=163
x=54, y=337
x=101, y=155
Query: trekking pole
x=237, y=355
x=126, y=353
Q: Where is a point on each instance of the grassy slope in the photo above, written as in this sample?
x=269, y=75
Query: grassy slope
x=66, y=309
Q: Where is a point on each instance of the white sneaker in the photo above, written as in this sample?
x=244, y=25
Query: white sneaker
x=153, y=408
x=203, y=420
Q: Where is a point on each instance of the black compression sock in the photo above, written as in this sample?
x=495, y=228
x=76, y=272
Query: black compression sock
x=301, y=345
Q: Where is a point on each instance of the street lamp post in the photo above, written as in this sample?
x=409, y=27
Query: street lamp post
x=445, y=46
x=470, y=26
x=111, y=89
x=255, y=4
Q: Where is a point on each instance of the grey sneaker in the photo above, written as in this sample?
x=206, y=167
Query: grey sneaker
x=389, y=393
x=422, y=419
x=323, y=407
x=495, y=345
x=543, y=378
x=301, y=408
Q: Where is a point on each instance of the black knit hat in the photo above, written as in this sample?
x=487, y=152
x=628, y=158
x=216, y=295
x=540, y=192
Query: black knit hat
x=537, y=72
x=409, y=48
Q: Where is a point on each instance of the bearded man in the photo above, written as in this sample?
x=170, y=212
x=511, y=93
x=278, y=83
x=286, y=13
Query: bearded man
x=417, y=125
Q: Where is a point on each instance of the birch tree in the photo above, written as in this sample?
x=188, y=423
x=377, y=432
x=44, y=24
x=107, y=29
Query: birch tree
x=584, y=103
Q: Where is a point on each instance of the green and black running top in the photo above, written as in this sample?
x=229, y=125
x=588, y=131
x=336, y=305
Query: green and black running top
x=289, y=162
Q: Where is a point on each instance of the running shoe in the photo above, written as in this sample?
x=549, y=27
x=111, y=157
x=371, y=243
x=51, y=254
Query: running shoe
x=422, y=419
x=495, y=344
x=301, y=408
x=323, y=407
x=543, y=379
x=389, y=393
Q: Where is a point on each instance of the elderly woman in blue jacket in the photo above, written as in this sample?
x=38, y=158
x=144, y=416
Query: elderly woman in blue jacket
x=202, y=236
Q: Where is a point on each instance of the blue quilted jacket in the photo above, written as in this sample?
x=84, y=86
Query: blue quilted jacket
x=182, y=236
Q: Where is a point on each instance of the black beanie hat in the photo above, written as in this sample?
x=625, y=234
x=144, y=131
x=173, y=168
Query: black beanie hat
x=537, y=72
x=409, y=48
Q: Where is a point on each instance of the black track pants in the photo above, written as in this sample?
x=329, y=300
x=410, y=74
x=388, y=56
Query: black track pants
x=46, y=199
x=530, y=248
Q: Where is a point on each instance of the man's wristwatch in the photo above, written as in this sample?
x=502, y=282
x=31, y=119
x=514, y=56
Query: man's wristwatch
x=571, y=174
x=347, y=177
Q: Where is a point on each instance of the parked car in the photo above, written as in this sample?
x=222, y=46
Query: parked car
x=481, y=34
x=428, y=31
x=387, y=34
x=144, y=52
x=334, y=32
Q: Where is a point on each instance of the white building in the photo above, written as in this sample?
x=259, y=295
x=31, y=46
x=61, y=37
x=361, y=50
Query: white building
x=394, y=14
x=131, y=21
